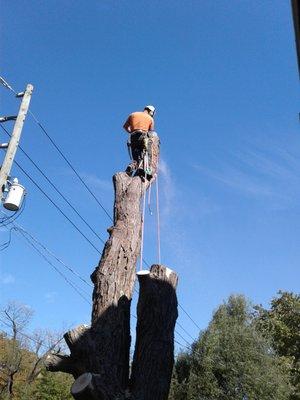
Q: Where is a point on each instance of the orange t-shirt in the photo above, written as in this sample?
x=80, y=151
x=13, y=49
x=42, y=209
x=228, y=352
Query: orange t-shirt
x=140, y=121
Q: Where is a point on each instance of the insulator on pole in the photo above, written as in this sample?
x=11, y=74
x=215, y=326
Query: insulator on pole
x=8, y=118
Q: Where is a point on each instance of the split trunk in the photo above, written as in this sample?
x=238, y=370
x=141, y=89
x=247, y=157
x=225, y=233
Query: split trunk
x=99, y=354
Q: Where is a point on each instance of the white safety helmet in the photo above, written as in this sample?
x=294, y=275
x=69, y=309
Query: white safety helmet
x=151, y=109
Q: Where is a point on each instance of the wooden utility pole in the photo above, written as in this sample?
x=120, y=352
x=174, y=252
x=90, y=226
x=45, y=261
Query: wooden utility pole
x=15, y=138
x=99, y=354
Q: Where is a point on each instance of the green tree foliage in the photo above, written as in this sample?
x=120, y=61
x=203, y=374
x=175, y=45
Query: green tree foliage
x=231, y=361
x=22, y=373
x=16, y=360
x=282, y=324
x=53, y=387
x=181, y=375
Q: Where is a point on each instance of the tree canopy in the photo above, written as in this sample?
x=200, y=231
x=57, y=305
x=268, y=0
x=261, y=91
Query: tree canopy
x=231, y=360
x=282, y=325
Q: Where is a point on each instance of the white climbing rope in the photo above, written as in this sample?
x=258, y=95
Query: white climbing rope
x=143, y=224
x=158, y=221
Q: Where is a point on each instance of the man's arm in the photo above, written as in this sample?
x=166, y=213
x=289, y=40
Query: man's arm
x=126, y=126
x=152, y=125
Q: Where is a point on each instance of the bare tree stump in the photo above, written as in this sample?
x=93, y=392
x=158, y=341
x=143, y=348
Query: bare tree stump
x=154, y=349
x=59, y=362
x=84, y=389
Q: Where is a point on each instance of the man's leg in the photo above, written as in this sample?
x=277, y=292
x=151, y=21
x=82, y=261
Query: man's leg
x=135, y=160
x=136, y=153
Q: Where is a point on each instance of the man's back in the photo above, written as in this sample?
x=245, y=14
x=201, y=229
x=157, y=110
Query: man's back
x=140, y=121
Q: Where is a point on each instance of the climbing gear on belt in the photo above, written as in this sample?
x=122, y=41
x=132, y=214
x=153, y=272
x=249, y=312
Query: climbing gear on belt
x=129, y=149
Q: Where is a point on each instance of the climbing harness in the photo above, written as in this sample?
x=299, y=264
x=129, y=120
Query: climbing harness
x=129, y=149
x=142, y=144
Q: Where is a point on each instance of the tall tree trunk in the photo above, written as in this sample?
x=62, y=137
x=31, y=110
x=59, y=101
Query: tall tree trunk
x=99, y=358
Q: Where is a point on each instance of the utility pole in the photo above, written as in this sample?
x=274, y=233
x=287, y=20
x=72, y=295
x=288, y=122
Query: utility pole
x=15, y=138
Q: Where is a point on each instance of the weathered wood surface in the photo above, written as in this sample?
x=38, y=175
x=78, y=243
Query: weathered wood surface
x=99, y=354
x=114, y=280
x=155, y=144
x=103, y=348
x=154, y=349
x=92, y=387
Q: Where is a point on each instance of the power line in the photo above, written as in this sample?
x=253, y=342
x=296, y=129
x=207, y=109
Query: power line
x=55, y=188
x=87, y=238
x=21, y=230
x=62, y=338
x=181, y=336
x=31, y=338
x=72, y=270
x=6, y=244
x=185, y=331
x=57, y=207
x=82, y=181
x=75, y=171
x=189, y=316
x=7, y=219
x=60, y=193
x=70, y=165
x=182, y=345
x=69, y=282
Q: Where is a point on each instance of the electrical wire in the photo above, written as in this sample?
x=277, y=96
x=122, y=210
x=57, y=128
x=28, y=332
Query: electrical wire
x=5, y=221
x=6, y=218
x=55, y=344
x=70, y=164
x=6, y=244
x=20, y=229
x=80, y=178
x=185, y=331
x=183, y=345
x=59, y=192
x=57, y=207
x=68, y=281
x=17, y=227
x=56, y=189
x=31, y=338
x=39, y=243
x=181, y=336
x=188, y=315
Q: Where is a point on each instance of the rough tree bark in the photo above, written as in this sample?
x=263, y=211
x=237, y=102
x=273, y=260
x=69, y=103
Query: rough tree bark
x=154, y=348
x=99, y=354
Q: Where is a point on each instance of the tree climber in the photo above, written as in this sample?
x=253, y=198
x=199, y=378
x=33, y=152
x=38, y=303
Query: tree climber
x=139, y=124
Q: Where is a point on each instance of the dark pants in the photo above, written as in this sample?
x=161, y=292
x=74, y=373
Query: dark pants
x=137, y=150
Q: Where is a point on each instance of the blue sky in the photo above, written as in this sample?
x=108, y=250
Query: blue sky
x=224, y=79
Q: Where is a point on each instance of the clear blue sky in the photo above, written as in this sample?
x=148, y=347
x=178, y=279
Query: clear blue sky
x=224, y=79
